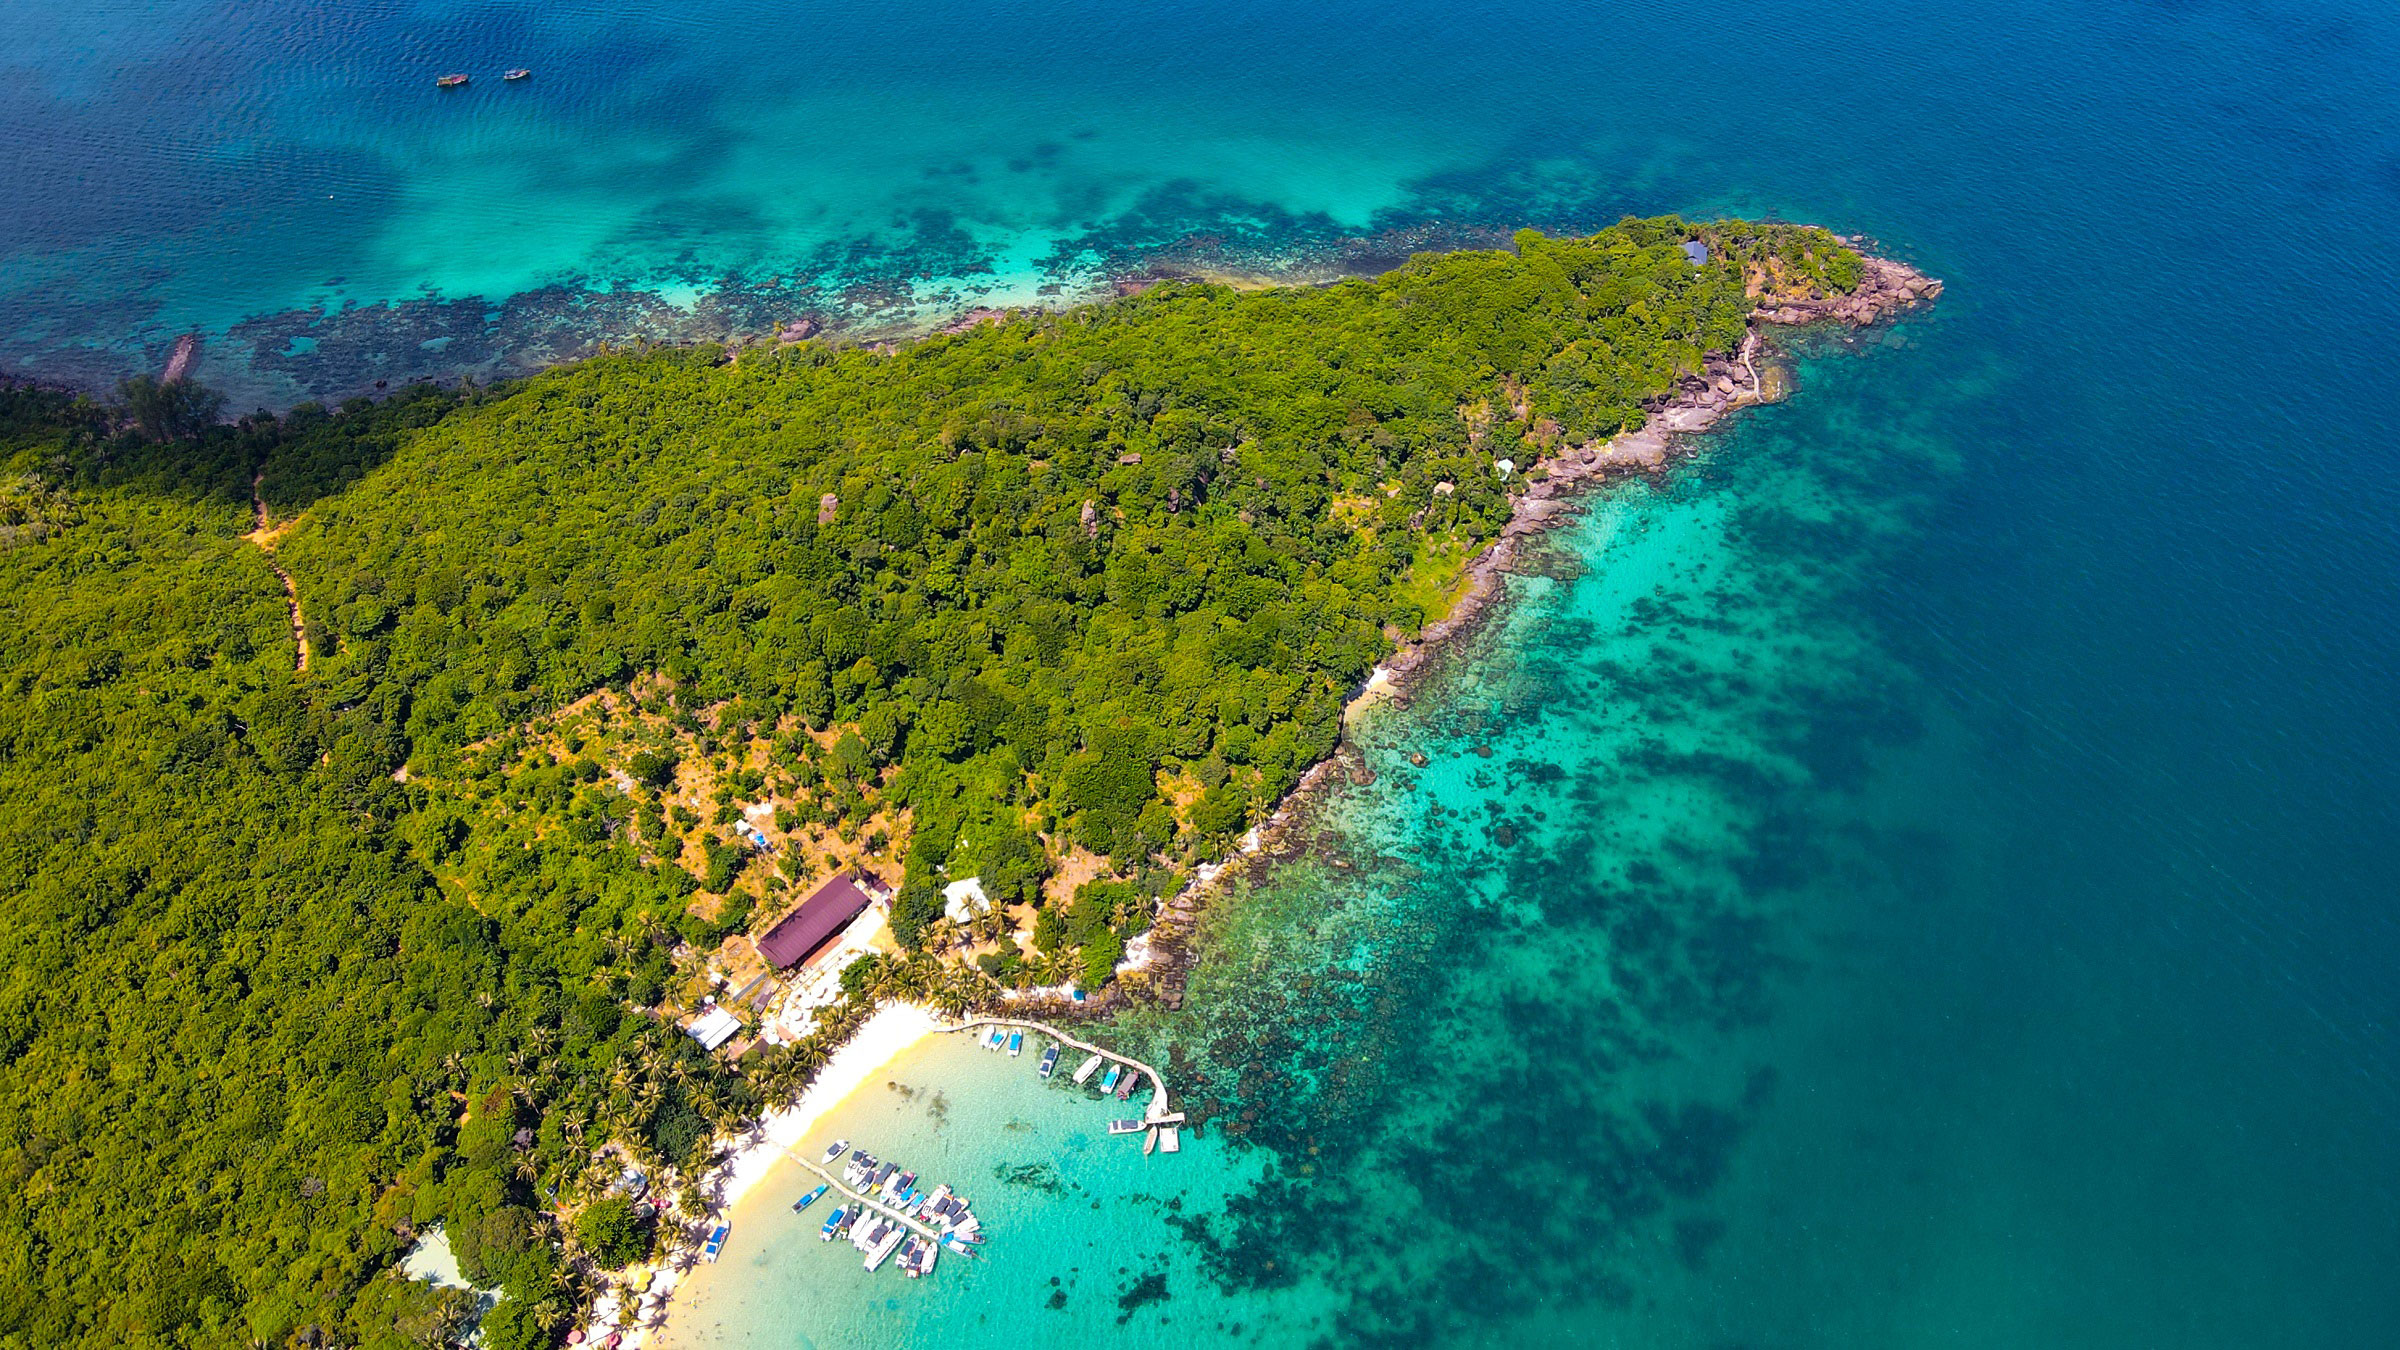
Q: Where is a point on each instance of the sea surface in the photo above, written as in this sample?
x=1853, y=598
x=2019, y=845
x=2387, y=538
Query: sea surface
x=1923, y=873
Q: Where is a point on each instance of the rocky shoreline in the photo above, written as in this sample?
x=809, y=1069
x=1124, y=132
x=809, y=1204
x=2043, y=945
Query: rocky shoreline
x=1724, y=385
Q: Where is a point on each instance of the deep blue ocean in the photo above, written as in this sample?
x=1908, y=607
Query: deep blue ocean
x=1925, y=873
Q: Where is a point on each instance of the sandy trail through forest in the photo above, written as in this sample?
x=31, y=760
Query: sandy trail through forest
x=264, y=535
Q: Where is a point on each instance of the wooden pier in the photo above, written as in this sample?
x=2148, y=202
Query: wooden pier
x=1156, y=1113
x=878, y=1206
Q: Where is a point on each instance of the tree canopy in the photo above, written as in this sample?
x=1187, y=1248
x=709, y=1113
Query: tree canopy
x=279, y=993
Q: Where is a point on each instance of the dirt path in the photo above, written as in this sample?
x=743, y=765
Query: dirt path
x=264, y=534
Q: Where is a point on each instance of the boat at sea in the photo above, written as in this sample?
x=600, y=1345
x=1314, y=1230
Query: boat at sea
x=833, y=1223
x=450, y=82
x=519, y=73
x=885, y=1245
x=716, y=1242
x=1016, y=1044
x=1084, y=1075
x=1108, y=1081
x=1049, y=1061
x=809, y=1199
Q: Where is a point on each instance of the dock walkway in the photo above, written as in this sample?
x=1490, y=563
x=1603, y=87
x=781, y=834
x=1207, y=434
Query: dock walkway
x=1155, y=1113
x=878, y=1206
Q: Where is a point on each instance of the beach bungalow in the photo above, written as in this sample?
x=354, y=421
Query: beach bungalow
x=819, y=919
x=714, y=1027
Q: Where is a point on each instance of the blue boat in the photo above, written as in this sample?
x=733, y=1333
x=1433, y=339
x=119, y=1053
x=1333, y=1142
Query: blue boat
x=809, y=1199
x=716, y=1242
x=1016, y=1044
x=833, y=1223
x=1108, y=1081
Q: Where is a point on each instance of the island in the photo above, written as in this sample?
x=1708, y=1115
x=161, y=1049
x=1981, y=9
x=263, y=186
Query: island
x=470, y=810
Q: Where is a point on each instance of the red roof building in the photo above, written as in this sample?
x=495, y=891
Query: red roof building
x=820, y=918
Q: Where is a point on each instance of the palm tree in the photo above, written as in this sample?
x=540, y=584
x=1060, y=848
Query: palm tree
x=1054, y=967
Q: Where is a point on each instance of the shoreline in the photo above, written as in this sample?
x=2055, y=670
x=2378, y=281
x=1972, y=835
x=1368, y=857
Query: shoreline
x=1887, y=289
x=891, y=1031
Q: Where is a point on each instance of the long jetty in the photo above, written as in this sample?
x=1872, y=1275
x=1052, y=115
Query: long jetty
x=878, y=1206
x=1156, y=1113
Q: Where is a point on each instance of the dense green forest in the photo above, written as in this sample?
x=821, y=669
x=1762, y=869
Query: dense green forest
x=298, y=964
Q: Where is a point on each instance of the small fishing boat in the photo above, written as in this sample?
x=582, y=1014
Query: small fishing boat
x=834, y=1222
x=1084, y=1074
x=519, y=73
x=716, y=1242
x=450, y=82
x=809, y=1199
x=835, y=1150
x=1108, y=1081
x=1125, y=1127
x=1016, y=1044
x=1049, y=1060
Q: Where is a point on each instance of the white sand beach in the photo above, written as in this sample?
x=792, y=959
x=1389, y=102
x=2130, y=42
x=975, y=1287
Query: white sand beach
x=882, y=1038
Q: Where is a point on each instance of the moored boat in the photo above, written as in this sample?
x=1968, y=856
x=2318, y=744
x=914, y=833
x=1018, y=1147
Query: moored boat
x=1049, y=1061
x=1083, y=1075
x=809, y=1199
x=834, y=1150
x=992, y=1041
x=1125, y=1127
x=450, y=82
x=1108, y=1081
x=884, y=1246
x=1125, y=1089
x=833, y=1223
x=716, y=1242
x=1016, y=1044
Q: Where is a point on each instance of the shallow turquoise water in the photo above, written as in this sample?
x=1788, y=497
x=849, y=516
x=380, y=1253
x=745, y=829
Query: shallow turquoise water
x=1932, y=880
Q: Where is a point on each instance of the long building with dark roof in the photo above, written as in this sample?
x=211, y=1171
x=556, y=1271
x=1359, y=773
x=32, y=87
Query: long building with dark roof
x=819, y=920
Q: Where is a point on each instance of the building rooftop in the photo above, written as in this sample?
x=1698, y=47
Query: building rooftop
x=818, y=919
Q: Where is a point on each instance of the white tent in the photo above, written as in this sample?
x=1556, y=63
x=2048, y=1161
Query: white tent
x=963, y=900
